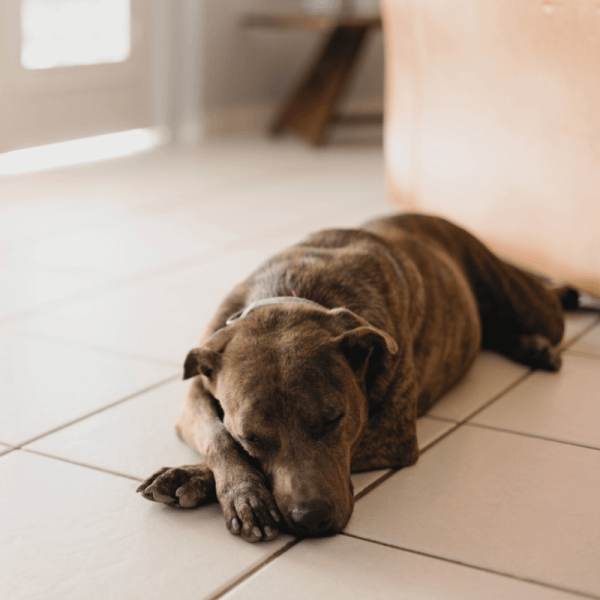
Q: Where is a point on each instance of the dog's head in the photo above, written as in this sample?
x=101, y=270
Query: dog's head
x=293, y=383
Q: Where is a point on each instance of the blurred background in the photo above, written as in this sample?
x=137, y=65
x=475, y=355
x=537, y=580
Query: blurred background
x=137, y=136
x=201, y=68
x=490, y=111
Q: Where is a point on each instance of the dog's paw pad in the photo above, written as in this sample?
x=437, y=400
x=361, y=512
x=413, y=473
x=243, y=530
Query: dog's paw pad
x=186, y=487
x=193, y=493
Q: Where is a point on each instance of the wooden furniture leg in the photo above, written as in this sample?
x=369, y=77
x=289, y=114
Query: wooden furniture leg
x=309, y=110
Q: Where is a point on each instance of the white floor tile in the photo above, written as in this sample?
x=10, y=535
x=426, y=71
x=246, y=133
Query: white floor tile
x=428, y=431
x=589, y=343
x=344, y=567
x=501, y=501
x=489, y=376
x=249, y=210
x=164, y=317
x=180, y=227
x=52, y=213
x=137, y=437
x=45, y=384
x=562, y=406
x=130, y=245
x=69, y=532
x=576, y=322
x=27, y=286
x=134, y=438
x=168, y=171
x=362, y=480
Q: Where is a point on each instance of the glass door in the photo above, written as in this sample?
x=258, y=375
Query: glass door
x=73, y=68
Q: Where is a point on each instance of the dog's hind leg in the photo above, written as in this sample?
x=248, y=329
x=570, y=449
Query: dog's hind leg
x=521, y=317
x=534, y=350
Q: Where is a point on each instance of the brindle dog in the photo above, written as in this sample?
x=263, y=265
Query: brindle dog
x=321, y=361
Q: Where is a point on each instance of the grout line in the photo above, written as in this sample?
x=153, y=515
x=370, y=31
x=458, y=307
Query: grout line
x=296, y=227
x=444, y=435
x=80, y=464
x=578, y=336
x=532, y=435
x=507, y=389
x=441, y=436
x=108, y=286
x=51, y=305
x=464, y=421
x=177, y=266
x=442, y=419
x=121, y=354
x=472, y=566
x=391, y=472
x=375, y=484
x=99, y=410
x=254, y=570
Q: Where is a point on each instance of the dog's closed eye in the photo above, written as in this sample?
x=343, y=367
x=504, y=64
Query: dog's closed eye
x=332, y=424
x=251, y=439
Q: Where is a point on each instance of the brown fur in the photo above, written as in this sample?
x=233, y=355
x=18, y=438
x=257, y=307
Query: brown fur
x=290, y=399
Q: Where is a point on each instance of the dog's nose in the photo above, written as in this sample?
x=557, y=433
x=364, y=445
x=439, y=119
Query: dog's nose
x=312, y=517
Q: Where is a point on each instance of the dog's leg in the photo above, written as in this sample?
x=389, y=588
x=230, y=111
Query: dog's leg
x=248, y=506
x=193, y=486
x=390, y=439
x=521, y=317
x=534, y=350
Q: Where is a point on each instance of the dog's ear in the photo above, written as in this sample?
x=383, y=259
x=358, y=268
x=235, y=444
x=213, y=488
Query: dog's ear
x=201, y=361
x=364, y=346
x=206, y=360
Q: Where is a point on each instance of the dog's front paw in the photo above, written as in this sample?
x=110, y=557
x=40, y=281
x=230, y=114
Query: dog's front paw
x=187, y=487
x=249, y=508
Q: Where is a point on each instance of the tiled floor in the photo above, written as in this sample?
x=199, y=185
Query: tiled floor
x=109, y=274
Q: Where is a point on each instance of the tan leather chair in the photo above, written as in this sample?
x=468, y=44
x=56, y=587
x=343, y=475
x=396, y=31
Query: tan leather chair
x=493, y=120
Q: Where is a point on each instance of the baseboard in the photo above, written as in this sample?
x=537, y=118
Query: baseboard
x=256, y=119
x=239, y=120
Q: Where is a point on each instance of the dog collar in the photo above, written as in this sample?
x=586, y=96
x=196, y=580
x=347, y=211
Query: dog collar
x=242, y=314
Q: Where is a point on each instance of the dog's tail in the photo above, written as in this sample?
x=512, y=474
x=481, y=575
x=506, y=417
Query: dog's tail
x=569, y=297
x=572, y=298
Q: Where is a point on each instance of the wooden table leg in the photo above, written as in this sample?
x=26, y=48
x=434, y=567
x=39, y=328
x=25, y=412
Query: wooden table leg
x=310, y=108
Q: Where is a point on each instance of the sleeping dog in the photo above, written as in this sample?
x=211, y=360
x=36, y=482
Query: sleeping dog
x=321, y=361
